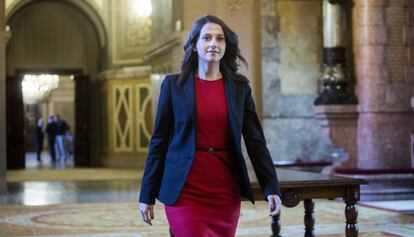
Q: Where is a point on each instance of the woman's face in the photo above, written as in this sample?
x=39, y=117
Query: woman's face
x=211, y=45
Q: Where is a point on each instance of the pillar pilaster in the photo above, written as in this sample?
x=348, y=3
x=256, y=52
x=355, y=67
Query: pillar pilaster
x=335, y=107
x=3, y=153
x=335, y=79
x=384, y=85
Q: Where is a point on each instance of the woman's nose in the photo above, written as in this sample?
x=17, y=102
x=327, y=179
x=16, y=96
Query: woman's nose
x=213, y=43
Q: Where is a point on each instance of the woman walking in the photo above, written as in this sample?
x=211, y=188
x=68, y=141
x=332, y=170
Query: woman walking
x=195, y=164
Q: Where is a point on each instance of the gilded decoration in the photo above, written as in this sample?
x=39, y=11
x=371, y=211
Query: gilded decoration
x=143, y=116
x=235, y=6
x=130, y=113
x=122, y=117
x=131, y=34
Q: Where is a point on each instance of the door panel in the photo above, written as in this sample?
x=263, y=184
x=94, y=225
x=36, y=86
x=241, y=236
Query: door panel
x=82, y=157
x=14, y=123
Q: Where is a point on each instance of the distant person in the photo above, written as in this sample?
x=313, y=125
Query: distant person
x=68, y=144
x=61, y=128
x=39, y=139
x=51, y=137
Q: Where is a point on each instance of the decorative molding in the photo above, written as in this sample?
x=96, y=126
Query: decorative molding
x=291, y=198
x=235, y=6
x=122, y=118
x=143, y=116
x=131, y=35
x=125, y=73
x=159, y=49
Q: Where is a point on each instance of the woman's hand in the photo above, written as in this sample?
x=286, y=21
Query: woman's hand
x=147, y=212
x=274, y=204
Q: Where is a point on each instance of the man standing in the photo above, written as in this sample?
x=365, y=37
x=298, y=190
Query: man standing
x=61, y=128
x=51, y=136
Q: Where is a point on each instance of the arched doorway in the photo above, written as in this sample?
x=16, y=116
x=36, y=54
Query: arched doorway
x=56, y=37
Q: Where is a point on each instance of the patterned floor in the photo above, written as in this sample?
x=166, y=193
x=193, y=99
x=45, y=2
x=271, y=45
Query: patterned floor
x=80, y=203
x=121, y=219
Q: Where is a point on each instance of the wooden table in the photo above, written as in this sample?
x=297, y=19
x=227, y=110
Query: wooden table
x=297, y=186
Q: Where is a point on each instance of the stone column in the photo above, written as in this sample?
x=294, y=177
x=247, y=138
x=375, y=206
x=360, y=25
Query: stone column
x=410, y=70
x=339, y=125
x=335, y=106
x=335, y=77
x=3, y=154
x=412, y=138
x=384, y=87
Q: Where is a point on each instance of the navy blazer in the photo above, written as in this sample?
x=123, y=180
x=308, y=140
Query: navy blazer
x=172, y=146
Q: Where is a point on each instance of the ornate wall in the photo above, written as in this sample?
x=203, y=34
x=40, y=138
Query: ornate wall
x=126, y=116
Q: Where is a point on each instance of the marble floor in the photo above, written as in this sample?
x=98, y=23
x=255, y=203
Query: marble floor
x=25, y=195
x=33, y=193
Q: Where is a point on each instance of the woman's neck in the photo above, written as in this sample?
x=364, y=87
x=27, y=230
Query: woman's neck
x=209, y=71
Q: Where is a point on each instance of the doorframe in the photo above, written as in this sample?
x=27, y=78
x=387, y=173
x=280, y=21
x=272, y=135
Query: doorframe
x=75, y=72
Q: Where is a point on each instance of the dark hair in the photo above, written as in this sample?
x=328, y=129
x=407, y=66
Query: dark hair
x=228, y=64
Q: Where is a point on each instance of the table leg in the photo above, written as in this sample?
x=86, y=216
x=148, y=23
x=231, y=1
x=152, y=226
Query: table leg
x=276, y=226
x=351, y=214
x=309, y=219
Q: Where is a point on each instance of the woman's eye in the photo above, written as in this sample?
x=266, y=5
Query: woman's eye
x=206, y=37
x=220, y=38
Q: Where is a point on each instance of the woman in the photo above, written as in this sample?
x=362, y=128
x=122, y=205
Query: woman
x=195, y=164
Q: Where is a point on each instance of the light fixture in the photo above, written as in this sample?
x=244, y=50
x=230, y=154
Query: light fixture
x=36, y=88
x=142, y=8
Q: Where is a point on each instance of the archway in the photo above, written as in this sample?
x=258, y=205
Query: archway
x=54, y=36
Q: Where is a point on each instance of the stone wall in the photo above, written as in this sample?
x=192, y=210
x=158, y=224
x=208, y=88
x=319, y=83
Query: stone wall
x=291, y=66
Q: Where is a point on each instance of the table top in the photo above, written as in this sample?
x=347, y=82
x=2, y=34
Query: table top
x=297, y=179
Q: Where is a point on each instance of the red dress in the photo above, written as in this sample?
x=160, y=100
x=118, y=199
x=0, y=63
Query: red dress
x=209, y=204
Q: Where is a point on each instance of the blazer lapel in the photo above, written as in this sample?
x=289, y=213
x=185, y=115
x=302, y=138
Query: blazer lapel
x=190, y=95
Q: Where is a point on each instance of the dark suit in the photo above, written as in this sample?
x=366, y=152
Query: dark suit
x=39, y=141
x=51, y=136
x=172, y=145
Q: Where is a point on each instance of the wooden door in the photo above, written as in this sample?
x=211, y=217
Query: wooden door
x=14, y=123
x=82, y=157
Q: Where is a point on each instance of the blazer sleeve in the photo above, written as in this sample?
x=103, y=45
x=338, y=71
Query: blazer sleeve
x=158, y=146
x=256, y=148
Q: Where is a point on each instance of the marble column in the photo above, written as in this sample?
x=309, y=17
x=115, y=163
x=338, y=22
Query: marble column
x=335, y=78
x=3, y=154
x=384, y=89
x=412, y=138
x=335, y=107
x=410, y=71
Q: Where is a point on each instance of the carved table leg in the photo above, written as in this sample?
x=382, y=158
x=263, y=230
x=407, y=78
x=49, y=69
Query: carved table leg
x=351, y=212
x=309, y=219
x=276, y=226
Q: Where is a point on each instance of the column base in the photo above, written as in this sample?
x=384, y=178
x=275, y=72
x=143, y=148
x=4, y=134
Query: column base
x=339, y=126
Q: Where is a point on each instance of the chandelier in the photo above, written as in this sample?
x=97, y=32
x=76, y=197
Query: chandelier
x=36, y=88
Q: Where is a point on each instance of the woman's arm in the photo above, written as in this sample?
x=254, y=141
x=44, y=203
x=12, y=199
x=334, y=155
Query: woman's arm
x=256, y=148
x=158, y=146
